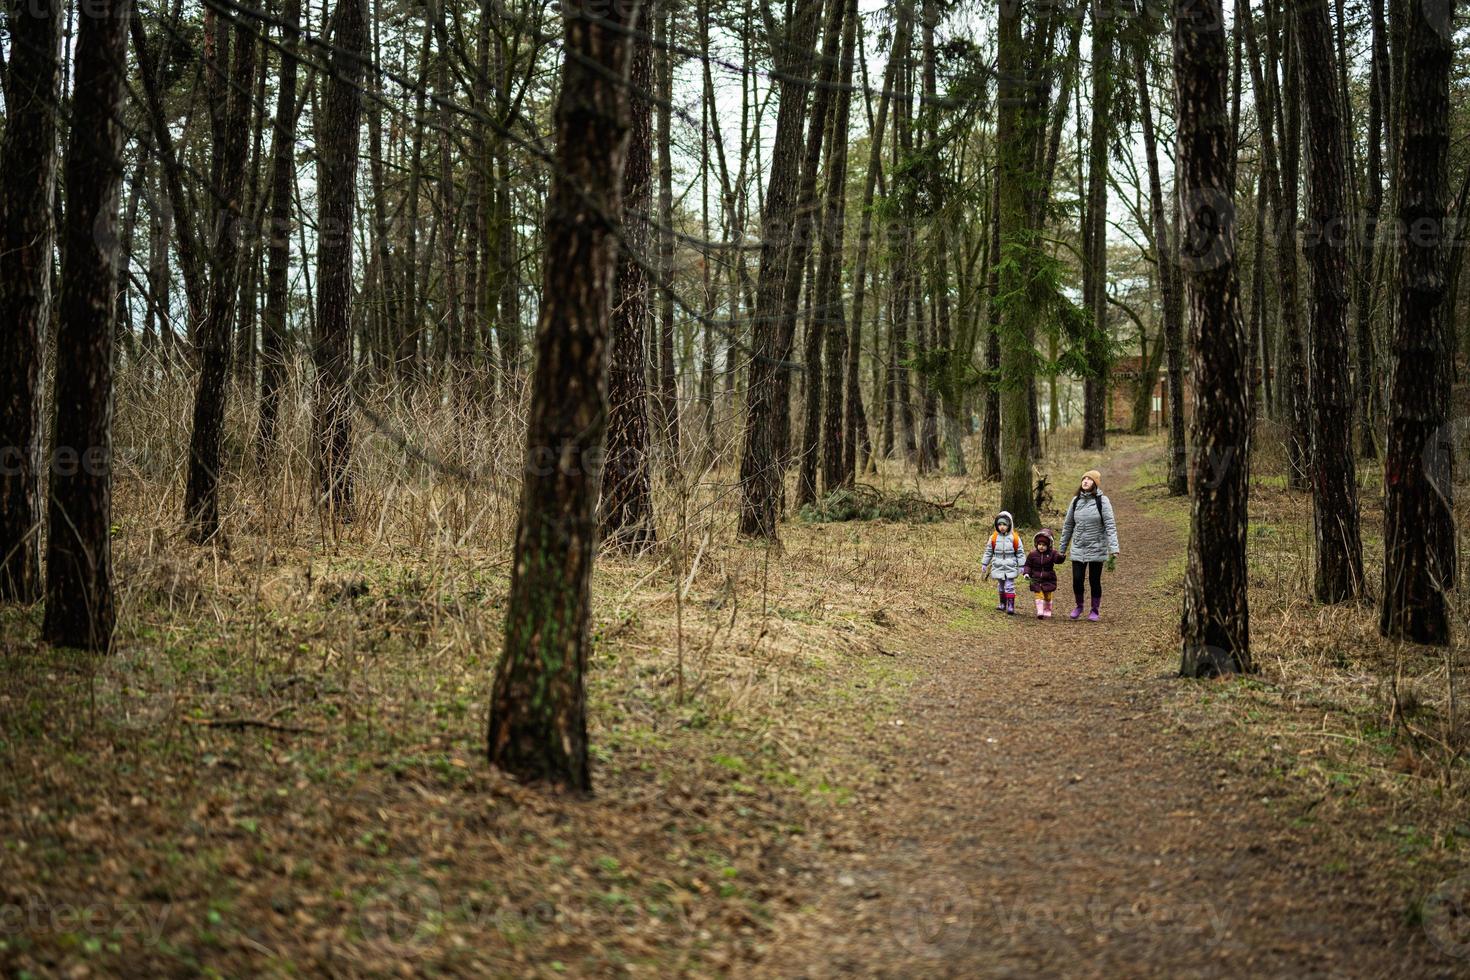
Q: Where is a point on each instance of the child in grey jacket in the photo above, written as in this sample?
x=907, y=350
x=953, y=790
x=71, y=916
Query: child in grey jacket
x=1005, y=556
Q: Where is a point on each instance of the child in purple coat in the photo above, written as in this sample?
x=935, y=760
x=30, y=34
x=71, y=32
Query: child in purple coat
x=1041, y=572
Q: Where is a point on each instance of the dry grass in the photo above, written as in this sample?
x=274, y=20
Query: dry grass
x=1362, y=739
x=281, y=767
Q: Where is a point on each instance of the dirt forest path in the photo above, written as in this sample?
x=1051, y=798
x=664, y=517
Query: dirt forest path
x=1037, y=821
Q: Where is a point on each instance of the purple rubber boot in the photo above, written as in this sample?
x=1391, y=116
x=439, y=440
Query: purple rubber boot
x=1076, y=611
x=1094, y=616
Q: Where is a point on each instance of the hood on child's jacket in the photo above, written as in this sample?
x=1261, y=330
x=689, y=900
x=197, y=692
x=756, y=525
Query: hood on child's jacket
x=1041, y=565
x=1004, y=552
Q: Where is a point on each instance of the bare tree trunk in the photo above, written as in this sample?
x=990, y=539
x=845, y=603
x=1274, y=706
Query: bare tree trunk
x=1165, y=250
x=1015, y=134
x=201, y=495
x=904, y=15
x=80, y=610
x=1295, y=396
x=388, y=294
x=627, y=502
x=801, y=277
x=191, y=260
x=707, y=332
x=1339, y=547
x=275, y=340
x=27, y=193
x=406, y=330
x=1215, y=630
x=454, y=346
x=1095, y=239
x=668, y=388
x=835, y=458
x=990, y=467
x=760, y=463
x=538, y=725
x=337, y=148
x=248, y=281
x=1419, y=526
x=1367, y=277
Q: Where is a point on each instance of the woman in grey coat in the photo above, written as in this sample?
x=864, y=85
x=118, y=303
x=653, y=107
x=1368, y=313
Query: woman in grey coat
x=1089, y=538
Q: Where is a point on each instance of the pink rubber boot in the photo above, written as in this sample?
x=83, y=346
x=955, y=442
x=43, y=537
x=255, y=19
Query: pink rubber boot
x=1046, y=609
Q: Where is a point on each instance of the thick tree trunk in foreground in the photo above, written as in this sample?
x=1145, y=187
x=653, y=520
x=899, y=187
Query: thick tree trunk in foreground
x=538, y=725
x=1419, y=530
x=338, y=142
x=1339, y=546
x=27, y=189
x=79, y=603
x=627, y=500
x=1016, y=321
x=1215, y=629
x=201, y=494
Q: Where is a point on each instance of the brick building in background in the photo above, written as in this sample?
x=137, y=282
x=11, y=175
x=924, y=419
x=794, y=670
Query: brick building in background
x=1124, y=385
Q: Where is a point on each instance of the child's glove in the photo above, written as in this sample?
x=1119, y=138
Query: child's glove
x=1112, y=562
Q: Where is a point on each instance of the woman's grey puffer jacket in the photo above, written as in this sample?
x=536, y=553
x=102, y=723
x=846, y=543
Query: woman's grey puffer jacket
x=1089, y=532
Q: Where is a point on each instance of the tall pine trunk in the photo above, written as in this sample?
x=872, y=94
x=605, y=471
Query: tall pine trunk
x=234, y=71
x=627, y=501
x=337, y=149
x=1367, y=381
x=1016, y=323
x=1095, y=239
x=1419, y=528
x=1339, y=547
x=80, y=609
x=1166, y=253
x=1215, y=630
x=668, y=387
x=904, y=15
x=1295, y=397
x=274, y=340
x=760, y=463
x=27, y=190
x=836, y=457
x=538, y=724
